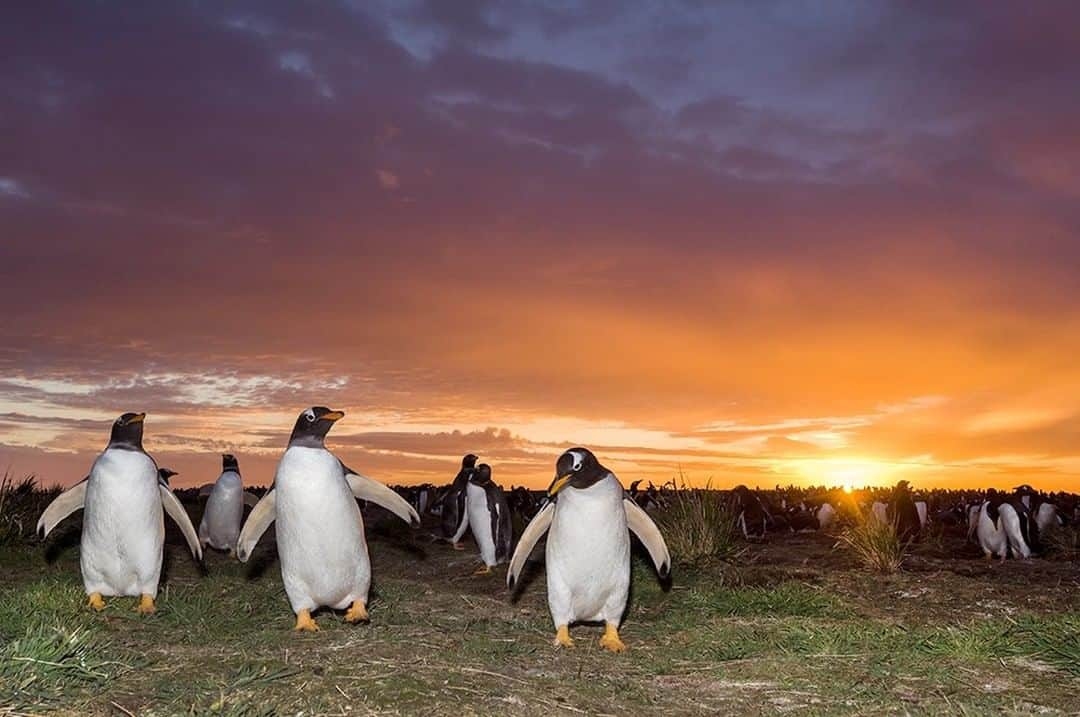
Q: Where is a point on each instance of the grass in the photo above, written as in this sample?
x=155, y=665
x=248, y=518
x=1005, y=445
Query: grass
x=698, y=525
x=800, y=631
x=874, y=543
x=1062, y=542
x=50, y=661
x=21, y=504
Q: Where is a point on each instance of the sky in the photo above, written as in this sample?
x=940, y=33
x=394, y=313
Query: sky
x=743, y=242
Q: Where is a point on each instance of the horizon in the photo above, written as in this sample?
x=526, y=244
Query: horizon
x=757, y=243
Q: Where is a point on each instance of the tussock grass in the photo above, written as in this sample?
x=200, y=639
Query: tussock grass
x=21, y=504
x=1062, y=542
x=874, y=543
x=698, y=525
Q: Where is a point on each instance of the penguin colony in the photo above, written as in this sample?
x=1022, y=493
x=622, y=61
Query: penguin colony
x=586, y=515
x=319, y=528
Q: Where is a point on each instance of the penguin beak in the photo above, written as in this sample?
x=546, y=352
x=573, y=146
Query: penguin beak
x=558, y=484
x=333, y=416
x=137, y=418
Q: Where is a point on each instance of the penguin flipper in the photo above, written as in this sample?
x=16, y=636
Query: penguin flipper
x=260, y=518
x=206, y=490
x=176, y=511
x=533, y=532
x=62, y=506
x=645, y=529
x=250, y=499
x=365, y=488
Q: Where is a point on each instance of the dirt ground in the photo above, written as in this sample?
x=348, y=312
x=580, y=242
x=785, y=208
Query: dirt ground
x=791, y=625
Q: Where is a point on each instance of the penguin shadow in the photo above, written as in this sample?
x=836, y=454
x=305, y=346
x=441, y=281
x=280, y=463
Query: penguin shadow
x=259, y=563
x=397, y=536
x=644, y=560
x=61, y=541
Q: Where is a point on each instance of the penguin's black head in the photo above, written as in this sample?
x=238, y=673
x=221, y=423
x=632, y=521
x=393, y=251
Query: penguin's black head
x=312, y=425
x=127, y=431
x=577, y=468
x=165, y=474
x=229, y=462
x=481, y=475
x=469, y=461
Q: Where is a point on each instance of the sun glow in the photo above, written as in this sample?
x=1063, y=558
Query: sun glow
x=847, y=473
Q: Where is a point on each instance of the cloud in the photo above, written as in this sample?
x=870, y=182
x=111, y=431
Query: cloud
x=727, y=233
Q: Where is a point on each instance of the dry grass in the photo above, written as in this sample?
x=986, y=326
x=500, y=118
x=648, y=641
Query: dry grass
x=874, y=543
x=698, y=525
x=1062, y=542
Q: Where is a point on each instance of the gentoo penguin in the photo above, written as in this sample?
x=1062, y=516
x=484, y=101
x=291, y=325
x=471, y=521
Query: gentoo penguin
x=1001, y=527
x=453, y=500
x=903, y=513
x=320, y=531
x=753, y=518
x=588, y=548
x=1047, y=517
x=487, y=513
x=123, y=531
x=164, y=474
x=220, y=526
x=825, y=515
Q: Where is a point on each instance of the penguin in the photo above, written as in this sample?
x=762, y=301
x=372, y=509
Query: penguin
x=880, y=511
x=1047, y=517
x=487, y=513
x=1003, y=526
x=320, y=530
x=164, y=474
x=224, y=512
x=452, y=502
x=123, y=530
x=753, y=518
x=588, y=515
x=825, y=515
x=904, y=514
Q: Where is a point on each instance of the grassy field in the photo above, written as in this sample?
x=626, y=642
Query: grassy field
x=792, y=625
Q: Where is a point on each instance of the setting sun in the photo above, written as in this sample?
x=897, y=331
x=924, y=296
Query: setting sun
x=847, y=473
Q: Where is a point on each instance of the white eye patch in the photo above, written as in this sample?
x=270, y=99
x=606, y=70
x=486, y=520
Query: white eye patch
x=310, y=415
x=578, y=460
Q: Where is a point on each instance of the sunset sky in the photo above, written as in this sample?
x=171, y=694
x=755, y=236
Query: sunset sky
x=763, y=242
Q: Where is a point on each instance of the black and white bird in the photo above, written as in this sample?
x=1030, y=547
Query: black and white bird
x=224, y=512
x=452, y=503
x=487, y=516
x=123, y=530
x=320, y=531
x=588, y=519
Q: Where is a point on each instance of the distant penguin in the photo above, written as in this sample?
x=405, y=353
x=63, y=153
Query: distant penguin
x=320, y=531
x=487, y=514
x=880, y=511
x=826, y=515
x=453, y=500
x=588, y=547
x=123, y=531
x=903, y=513
x=752, y=516
x=224, y=512
x=164, y=474
x=973, y=510
x=1047, y=517
x=1001, y=528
